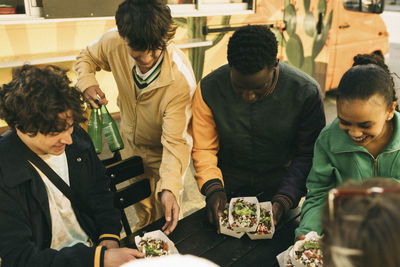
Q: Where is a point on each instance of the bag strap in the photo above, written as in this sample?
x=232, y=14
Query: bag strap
x=55, y=179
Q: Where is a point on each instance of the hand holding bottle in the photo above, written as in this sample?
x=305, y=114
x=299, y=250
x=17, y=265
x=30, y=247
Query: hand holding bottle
x=94, y=93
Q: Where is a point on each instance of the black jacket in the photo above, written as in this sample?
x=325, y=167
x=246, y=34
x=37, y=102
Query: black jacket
x=25, y=222
x=274, y=135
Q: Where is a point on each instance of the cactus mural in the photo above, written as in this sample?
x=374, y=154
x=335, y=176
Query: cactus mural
x=315, y=25
x=195, y=26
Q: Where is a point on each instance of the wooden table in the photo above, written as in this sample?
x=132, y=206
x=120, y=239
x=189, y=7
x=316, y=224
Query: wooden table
x=195, y=235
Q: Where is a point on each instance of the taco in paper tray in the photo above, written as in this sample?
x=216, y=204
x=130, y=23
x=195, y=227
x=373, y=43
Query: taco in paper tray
x=244, y=214
x=155, y=243
x=224, y=227
x=307, y=252
x=265, y=228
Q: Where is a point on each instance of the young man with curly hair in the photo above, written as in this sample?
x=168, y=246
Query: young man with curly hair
x=39, y=225
x=155, y=84
x=255, y=121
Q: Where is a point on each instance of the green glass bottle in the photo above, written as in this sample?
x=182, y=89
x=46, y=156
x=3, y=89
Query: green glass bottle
x=110, y=130
x=94, y=130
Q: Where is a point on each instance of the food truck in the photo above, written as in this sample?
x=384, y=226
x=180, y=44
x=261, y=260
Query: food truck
x=320, y=37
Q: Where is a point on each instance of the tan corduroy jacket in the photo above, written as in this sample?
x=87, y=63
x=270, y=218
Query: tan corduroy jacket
x=154, y=123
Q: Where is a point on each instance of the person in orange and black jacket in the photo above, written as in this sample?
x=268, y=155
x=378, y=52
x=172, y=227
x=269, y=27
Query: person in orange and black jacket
x=39, y=226
x=255, y=122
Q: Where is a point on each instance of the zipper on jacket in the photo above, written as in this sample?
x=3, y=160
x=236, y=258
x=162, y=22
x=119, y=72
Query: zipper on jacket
x=135, y=117
x=376, y=160
x=366, y=152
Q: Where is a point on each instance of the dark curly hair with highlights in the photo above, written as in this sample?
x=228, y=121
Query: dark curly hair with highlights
x=368, y=76
x=35, y=97
x=252, y=48
x=145, y=24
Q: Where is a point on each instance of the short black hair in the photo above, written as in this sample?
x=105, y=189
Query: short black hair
x=35, y=97
x=252, y=48
x=368, y=76
x=145, y=24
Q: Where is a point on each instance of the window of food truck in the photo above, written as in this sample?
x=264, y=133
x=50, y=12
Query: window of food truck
x=57, y=9
x=210, y=7
x=11, y=10
x=368, y=6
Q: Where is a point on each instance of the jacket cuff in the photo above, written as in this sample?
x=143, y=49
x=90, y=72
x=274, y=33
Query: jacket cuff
x=212, y=186
x=109, y=237
x=99, y=256
x=284, y=200
x=85, y=81
x=177, y=193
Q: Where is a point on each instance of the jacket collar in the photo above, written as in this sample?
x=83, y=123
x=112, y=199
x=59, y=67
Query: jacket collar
x=166, y=74
x=16, y=164
x=341, y=142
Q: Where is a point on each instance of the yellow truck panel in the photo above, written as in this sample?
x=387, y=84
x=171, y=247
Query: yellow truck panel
x=321, y=37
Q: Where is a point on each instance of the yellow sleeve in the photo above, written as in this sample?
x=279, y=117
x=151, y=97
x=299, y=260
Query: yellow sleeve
x=177, y=145
x=205, y=141
x=89, y=60
x=176, y=140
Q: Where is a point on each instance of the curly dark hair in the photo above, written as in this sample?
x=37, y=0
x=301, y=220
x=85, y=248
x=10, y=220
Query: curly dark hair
x=368, y=76
x=252, y=48
x=145, y=24
x=35, y=97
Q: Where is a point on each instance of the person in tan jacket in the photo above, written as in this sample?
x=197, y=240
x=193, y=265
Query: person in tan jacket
x=155, y=83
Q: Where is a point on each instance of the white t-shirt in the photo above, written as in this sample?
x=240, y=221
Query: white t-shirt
x=65, y=228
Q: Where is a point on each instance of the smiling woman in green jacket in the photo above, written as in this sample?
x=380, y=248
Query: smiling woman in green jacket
x=363, y=142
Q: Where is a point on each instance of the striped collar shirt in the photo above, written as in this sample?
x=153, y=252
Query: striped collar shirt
x=143, y=80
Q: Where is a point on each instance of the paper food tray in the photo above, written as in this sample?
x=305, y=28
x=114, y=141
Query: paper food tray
x=284, y=259
x=156, y=235
x=297, y=245
x=254, y=235
x=225, y=228
x=252, y=200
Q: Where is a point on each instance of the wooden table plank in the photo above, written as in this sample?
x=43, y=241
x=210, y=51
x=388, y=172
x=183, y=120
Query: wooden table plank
x=195, y=235
x=264, y=254
x=200, y=242
x=229, y=251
